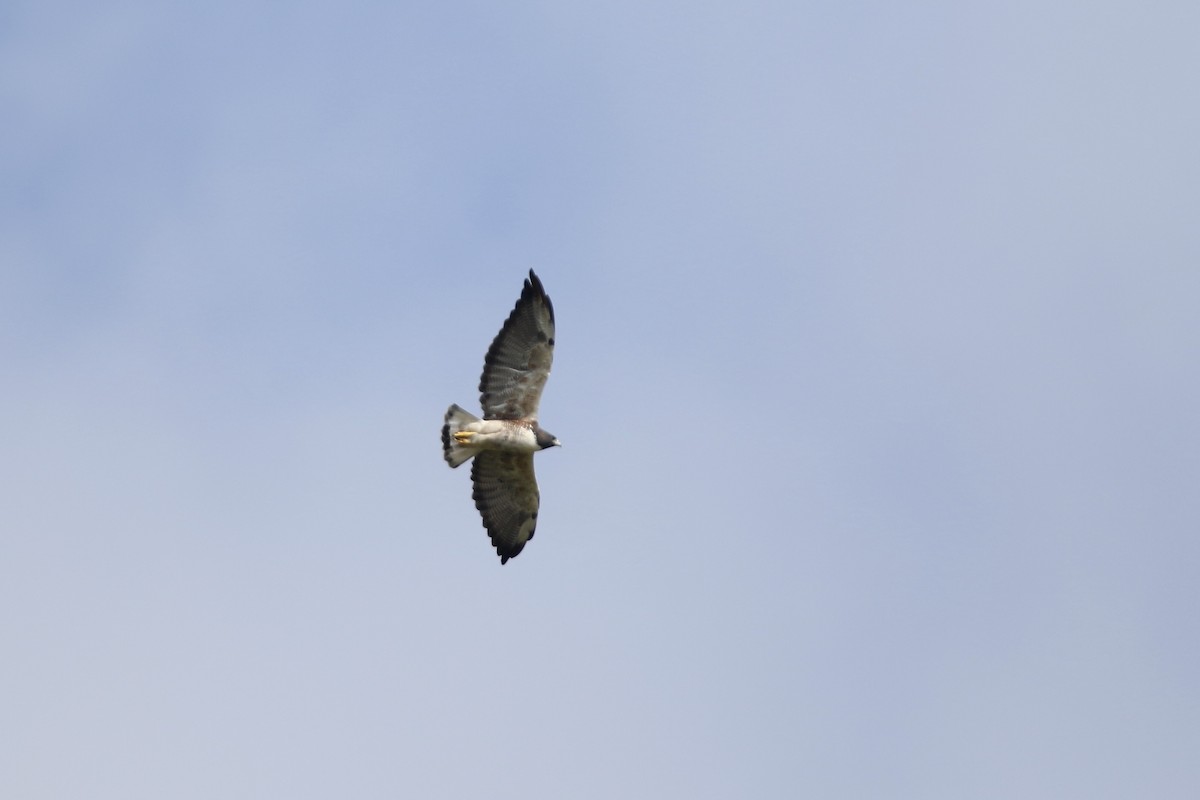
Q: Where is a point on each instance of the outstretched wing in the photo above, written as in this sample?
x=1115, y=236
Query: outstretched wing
x=506, y=495
x=517, y=364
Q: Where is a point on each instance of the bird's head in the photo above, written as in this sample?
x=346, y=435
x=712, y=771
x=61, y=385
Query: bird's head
x=546, y=439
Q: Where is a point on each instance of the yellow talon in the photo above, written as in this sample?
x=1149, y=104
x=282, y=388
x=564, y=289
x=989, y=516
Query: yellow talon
x=463, y=437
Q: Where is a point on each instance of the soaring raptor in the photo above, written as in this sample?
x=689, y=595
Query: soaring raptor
x=515, y=370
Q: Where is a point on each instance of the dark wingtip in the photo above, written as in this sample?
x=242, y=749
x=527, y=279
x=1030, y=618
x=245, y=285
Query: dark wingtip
x=533, y=285
x=505, y=551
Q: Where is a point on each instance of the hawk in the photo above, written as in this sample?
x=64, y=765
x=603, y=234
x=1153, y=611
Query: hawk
x=515, y=370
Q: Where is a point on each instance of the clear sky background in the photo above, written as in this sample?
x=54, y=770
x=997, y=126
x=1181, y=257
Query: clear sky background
x=877, y=375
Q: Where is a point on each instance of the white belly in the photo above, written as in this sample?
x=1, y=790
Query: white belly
x=498, y=434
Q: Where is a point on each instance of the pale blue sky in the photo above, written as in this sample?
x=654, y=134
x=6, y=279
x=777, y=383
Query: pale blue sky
x=877, y=379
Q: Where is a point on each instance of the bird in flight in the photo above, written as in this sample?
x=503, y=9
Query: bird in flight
x=515, y=370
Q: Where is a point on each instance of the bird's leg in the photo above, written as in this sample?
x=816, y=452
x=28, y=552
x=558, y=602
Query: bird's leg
x=463, y=437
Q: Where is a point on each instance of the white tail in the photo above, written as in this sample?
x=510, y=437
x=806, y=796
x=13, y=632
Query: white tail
x=457, y=419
